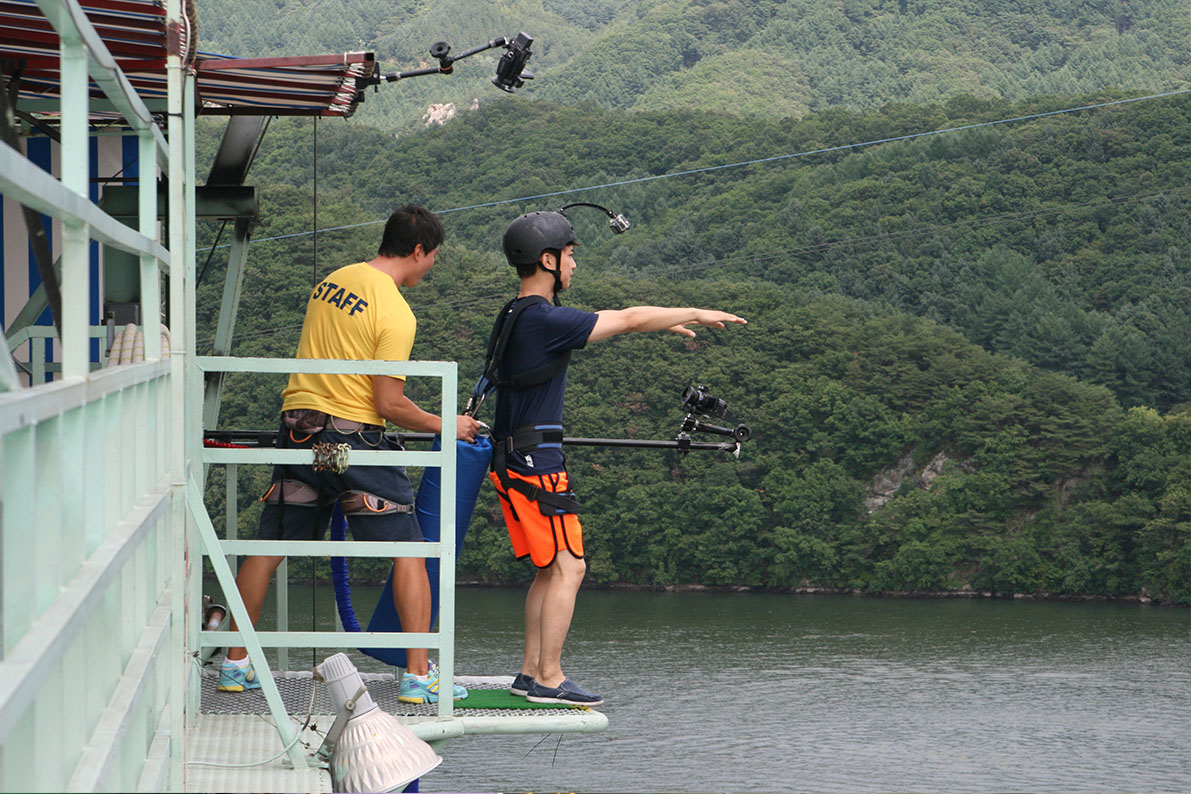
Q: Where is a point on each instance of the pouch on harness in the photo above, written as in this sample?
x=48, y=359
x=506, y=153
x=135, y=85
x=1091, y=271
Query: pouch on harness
x=531, y=437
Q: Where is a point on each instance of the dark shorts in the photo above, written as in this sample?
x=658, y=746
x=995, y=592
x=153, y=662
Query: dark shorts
x=301, y=522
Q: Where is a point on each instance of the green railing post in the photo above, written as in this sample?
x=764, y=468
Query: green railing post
x=176, y=177
x=147, y=225
x=446, y=524
x=76, y=264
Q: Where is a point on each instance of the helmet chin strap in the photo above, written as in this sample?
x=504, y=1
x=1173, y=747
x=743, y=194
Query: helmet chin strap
x=557, y=273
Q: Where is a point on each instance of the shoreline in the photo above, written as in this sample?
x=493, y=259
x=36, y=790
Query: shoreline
x=1143, y=599
x=1139, y=598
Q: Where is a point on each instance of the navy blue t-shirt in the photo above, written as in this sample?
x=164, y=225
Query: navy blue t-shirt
x=543, y=333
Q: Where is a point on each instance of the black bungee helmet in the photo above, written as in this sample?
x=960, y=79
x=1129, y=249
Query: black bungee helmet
x=534, y=233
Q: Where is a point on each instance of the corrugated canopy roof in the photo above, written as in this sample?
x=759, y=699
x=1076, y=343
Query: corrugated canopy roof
x=134, y=31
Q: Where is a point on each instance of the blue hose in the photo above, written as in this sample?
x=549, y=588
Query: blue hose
x=471, y=469
x=341, y=576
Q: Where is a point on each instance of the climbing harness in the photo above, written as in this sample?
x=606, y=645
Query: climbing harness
x=527, y=440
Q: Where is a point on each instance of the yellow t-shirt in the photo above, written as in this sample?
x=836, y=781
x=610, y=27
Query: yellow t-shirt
x=356, y=313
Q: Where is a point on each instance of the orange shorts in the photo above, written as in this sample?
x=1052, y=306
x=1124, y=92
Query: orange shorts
x=534, y=535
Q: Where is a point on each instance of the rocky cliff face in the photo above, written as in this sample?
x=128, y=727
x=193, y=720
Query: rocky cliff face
x=438, y=114
x=888, y=481
x=441, y=114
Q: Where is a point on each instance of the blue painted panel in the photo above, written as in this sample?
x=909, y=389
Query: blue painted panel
x=130, y=155
x=38, y=152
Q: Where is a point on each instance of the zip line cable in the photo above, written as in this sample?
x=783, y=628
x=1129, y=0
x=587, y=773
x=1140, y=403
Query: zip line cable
x=867, y=240
x=905, y=233
x=314, y=283
x=760, y=160
x=827, y=150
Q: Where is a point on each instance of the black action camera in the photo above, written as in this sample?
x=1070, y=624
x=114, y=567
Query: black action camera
x=696, y=400
x=509, y=69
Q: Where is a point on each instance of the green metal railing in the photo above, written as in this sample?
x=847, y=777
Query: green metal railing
x=443, y=641
x=38, y=363
x=91, y=570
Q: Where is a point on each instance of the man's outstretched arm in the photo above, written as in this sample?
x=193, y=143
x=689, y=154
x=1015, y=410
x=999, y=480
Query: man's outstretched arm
x=638, y=319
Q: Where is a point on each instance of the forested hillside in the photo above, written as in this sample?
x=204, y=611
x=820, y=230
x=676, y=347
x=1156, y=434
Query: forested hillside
x=888, y=454
x=966, y=366
x=1060, y=241
x=968, y=363
x=764, y=58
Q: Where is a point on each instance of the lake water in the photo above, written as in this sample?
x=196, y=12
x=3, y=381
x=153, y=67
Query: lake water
x=714, y=692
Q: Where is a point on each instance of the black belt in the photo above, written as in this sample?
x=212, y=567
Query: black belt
x=531, y=438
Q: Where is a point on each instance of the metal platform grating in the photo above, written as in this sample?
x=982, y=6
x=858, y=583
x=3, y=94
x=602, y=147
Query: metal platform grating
x=235, y=728
x=227, y=752
x=294, y=687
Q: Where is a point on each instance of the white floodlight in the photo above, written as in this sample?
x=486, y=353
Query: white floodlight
x=369, y=750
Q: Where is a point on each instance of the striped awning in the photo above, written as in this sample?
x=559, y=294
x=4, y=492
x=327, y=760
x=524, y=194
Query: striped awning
x=304, y=85
x=136, y=35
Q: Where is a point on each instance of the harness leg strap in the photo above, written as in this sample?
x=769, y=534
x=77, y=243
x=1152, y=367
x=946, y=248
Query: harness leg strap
x=549, y=503
x=291, y=492
x=364, y=503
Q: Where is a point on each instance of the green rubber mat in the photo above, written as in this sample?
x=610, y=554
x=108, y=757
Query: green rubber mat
x=502, y=699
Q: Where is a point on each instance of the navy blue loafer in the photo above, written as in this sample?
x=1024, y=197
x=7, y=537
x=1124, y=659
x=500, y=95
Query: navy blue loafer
x=568, y=693
x=521, y=685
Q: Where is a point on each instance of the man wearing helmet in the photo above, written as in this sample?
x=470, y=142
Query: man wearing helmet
x=529, y=468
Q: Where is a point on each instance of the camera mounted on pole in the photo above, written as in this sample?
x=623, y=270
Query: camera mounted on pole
x=697, y=401
x=510, y=69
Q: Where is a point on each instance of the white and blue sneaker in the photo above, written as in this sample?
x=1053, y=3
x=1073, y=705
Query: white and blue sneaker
x=521, y=685
x=418, y=690
x=234, y=678
x=567, y=693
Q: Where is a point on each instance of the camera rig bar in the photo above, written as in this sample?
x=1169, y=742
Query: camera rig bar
x=683, y=443
x=696, y=401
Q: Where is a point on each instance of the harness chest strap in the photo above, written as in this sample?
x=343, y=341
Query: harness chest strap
x=498, y=340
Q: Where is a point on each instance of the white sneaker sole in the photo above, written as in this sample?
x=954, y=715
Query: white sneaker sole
x=563, y=701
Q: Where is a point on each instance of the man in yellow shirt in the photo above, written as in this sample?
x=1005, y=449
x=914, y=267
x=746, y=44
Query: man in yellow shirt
x=356, y=313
